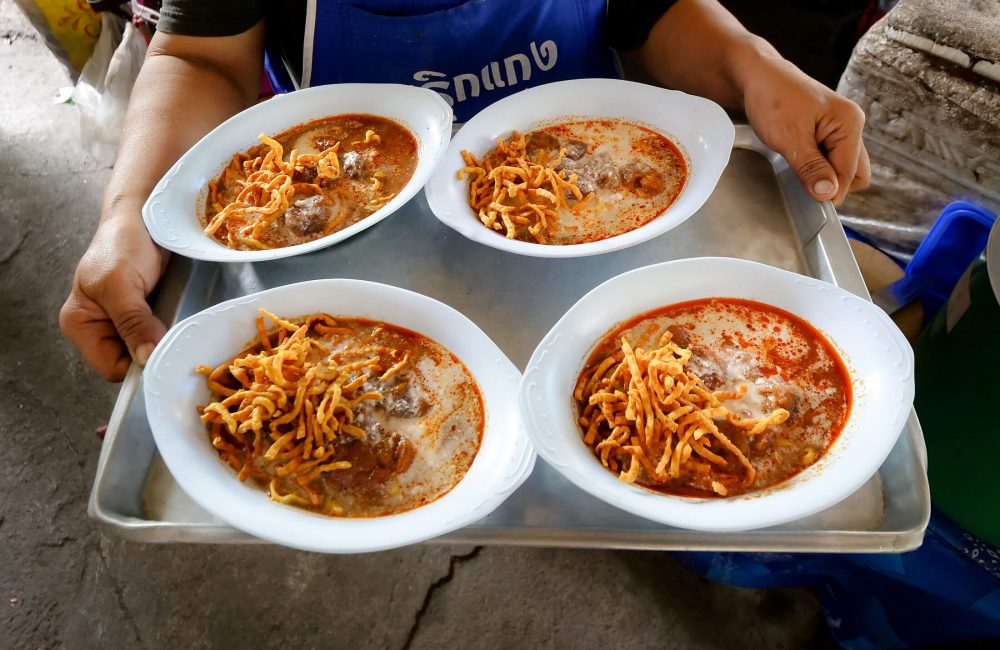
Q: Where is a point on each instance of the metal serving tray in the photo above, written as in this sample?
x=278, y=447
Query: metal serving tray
x=758, y=212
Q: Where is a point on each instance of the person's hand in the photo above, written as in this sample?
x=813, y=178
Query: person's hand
x=106, y=315
x=815, y=129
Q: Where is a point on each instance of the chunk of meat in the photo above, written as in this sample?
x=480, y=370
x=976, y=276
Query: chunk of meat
x=592, y=172
x=650, y=185
x=308, y=216
x=394, y=452
x=584, y=184
x=398, y=398
x=643, y=180
x=402, y=403
x=371, y=426
x=539, y=142
x=782, y=396
x=576, y=149
x=707, y=366
x=353, y=165
x=680, y=335
x=304, y=175
x=374, y=460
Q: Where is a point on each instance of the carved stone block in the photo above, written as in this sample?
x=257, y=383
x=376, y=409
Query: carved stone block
x=926, y=76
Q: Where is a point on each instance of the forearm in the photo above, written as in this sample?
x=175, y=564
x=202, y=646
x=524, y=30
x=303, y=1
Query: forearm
x=699, y=47
x=177, y=99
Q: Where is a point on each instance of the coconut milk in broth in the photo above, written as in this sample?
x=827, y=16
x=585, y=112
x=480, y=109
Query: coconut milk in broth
x=420, y=438
x=784, y=363
x=634, y=172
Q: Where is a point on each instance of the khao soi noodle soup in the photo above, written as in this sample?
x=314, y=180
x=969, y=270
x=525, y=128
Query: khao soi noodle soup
x=309, y=181
x=714, y=397
x=575, y=182
x=345, y=416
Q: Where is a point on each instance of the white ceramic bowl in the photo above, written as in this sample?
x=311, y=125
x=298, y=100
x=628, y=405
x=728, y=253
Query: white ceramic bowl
x=171, y=212
x=701, y=128
x=173, y=389
x=877, y=356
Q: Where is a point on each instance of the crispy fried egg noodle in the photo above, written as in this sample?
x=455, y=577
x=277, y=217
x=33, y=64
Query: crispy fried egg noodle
x=518, y=195
x=267, y=191
x=344, y=417
x=438, y=493
x=648, y=404
x=294, y=407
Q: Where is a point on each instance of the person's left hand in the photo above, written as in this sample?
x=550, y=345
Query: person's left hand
x=815, y=129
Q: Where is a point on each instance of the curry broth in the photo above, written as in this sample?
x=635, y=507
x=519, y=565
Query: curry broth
x=419, y=439
x=377, y=157
x=626, y=175
x=785, y=362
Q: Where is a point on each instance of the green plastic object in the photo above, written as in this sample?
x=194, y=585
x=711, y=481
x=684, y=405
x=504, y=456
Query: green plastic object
x=958, y=398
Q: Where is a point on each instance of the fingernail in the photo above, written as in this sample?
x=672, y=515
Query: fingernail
x=823, y=187
x=142, y=353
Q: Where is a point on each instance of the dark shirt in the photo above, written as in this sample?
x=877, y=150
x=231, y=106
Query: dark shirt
x=627, y=27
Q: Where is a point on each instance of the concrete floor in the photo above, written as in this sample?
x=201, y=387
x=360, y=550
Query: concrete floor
x=65, y=584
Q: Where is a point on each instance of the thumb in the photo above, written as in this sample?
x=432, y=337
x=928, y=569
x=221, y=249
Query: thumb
x=816, y=174
x=135, y=322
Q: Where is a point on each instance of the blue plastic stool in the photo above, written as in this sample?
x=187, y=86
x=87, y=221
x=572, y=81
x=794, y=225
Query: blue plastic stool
x=957, y=238
x=944, y=593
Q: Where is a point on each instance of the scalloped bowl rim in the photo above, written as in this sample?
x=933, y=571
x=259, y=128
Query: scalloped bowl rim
x=172, y=389
x=700, y=127
x=170, y=212
x=878, y=358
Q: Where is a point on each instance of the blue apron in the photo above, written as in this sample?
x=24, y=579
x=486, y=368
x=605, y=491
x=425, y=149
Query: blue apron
x=471, y=52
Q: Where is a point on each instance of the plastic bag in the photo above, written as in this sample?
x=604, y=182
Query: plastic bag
x=105, y=85
x=922, y=76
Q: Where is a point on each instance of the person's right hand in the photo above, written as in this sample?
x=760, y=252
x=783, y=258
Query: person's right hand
x=106, y=315
x=192, y=84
